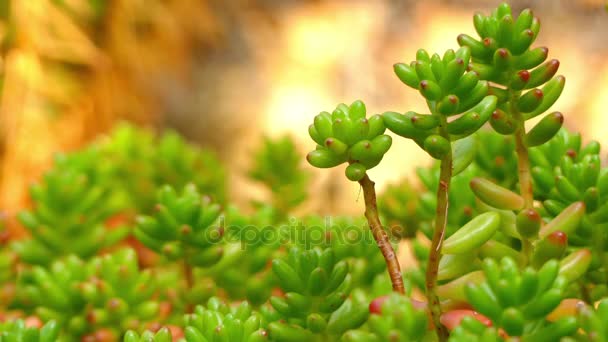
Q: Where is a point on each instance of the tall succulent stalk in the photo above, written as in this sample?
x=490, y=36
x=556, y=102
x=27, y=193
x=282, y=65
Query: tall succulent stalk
x=504, y=57
x=347, y=136
x=449, y=90
x=441, y=220
x=371, y=213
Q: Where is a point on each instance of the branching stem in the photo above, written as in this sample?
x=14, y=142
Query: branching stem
x=371, y=213
x=441, y=219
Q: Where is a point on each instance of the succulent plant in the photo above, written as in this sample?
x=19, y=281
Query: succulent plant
x=107, y=292
x=316, y=303
x=348, y=136
x=396, y=319
x=278, y=166
x=71, y=203
x=219, y=322
x=17, y=330
x=143, y=162
x=507, y=227
x=184, y=226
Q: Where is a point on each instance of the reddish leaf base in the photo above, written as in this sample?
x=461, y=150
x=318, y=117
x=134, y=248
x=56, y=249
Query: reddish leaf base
x=450, y=319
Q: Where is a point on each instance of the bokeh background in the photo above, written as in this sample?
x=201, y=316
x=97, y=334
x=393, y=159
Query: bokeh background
x=224, y=73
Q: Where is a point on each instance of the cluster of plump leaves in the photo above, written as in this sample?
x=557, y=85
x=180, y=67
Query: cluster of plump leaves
x=91, y=296
x=143, y=162
x=316, y=303
x=278, y=165
x=449, y=90
x=566, y=172
x=518, y=301
x=348, y=136
x=504, y=56
x=183, y=226
x=108, y=292
x=574, y=181
x=76, y=198
x=243, y=272
x=162, y=335
x=397, y=319
x=220, y=322
x=350, y=239
x=71, y=203
x=17, y=330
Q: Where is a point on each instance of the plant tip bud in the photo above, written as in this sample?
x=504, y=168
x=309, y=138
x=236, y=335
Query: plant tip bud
x=558, y=238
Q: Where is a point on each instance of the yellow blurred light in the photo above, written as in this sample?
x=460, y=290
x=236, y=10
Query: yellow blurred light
x=322, y=35
x=27, y=66
x=317, y=38
x=439, y=34
x=597, y=119
x=313, y=41
x=292, y=106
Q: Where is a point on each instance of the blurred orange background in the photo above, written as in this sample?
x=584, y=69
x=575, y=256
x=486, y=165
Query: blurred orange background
x=224, y=73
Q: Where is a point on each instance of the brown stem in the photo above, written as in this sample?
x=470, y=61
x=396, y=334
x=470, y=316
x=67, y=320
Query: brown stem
x=189, y=276
x=441, y=219
x=371, y=213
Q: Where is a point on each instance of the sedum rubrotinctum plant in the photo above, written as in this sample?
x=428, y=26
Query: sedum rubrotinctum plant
x=134, y=237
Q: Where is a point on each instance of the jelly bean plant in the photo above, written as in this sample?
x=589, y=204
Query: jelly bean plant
x=135, y=237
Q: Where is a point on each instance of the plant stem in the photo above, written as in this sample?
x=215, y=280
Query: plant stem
x=523, y=168
x=441, y=219
x=523, y=162
x=371, y=213
x=189, y=276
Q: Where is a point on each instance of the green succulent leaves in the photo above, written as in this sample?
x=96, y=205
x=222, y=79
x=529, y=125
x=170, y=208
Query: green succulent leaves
x=278, y=166
x=216, y=321
x=503, y=56
x=397, y=320
x=495, y=195
x=54, y=294
x=119, y=295
x=162, y=335
x=348, y=136
x=515, y=299
x=18, y=331
x=183, y=226
x=316, y=301
x=219, y=322
x=473, y=234
x=533, y=264
x=449, y=90
x=107, y=292
x=70, y=204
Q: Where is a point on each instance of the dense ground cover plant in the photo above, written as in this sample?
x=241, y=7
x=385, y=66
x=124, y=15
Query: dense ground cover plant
x=133, y=238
